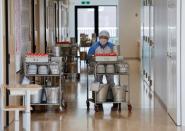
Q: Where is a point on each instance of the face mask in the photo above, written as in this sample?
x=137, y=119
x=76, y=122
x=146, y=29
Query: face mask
x=103, y=41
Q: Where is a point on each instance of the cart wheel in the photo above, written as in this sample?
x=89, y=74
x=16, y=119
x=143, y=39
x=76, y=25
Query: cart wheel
x=129, y=107
x=78, y=76
x=96, y=108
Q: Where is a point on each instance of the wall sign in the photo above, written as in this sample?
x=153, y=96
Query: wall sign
x=85, y=2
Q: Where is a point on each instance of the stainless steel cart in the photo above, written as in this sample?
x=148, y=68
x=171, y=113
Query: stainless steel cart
x=94, y=72
x=61, y=103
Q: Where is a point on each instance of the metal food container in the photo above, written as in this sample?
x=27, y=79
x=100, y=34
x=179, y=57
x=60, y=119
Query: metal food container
x=57, y=51
x=54, y=68
x=32, y=69
x=43, y=70
x=119, y=93
x=36, y=98
x=100, y=69
x=110, y=69
x=122, y=68
x=52, y=94
x=101, y=95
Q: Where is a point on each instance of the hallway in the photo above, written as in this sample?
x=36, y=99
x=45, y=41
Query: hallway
x=147, y=113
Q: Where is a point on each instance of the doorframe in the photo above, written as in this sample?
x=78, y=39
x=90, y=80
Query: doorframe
x=96, y=19
x=33, y=49
x=1, y=62
x=7, y=54
x=45, y=27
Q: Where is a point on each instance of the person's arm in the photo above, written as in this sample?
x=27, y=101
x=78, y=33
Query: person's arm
x=92, y=49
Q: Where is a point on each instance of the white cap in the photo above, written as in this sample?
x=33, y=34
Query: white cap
x=104, y=33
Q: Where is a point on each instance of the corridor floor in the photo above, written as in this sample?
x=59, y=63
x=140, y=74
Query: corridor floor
x=147, y=113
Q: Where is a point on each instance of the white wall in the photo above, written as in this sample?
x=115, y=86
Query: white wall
x=168, y=91
x=73, y=3
x=129, y=29
x=160, y=40
x=183, y=62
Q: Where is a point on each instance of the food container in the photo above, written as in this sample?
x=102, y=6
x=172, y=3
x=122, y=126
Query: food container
x=57, y=51
x=36, y=98
x=100, y=69
x=54, y=68
x=32, y=69
x=36, y=57
x=52, y=94
x=110, y=69
x=101, y=95
x=122, y=68
x=119, y=93
x=106, y=58
x=43, y=70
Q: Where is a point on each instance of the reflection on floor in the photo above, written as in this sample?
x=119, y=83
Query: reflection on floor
x=147, y=113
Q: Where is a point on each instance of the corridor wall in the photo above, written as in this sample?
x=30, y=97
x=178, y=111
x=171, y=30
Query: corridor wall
x=168, y=56
x=129, y=27
x=160, y=40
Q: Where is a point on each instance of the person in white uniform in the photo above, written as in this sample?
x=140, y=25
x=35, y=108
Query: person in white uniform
x=103, y=46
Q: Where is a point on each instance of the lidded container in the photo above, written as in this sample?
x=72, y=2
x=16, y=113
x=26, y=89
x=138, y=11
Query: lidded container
x=57, y=51
x=52, y=94
x=43, y=70
x=54, y=68
x=119, y=93
x=101, y=95
x=100, y=69
x=110, y=69
x=32, y=69
x=122, y=68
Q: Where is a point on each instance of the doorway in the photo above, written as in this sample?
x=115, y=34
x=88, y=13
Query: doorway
x=93, y=19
